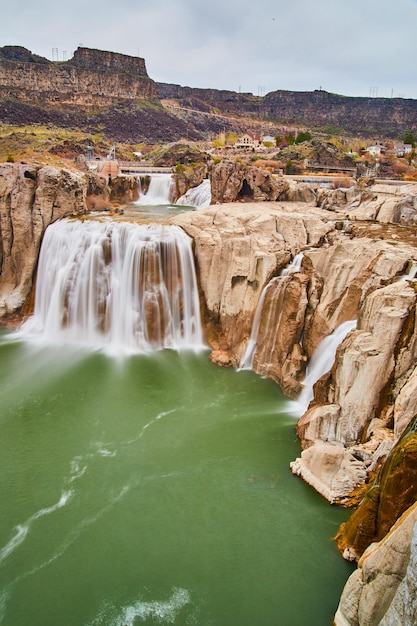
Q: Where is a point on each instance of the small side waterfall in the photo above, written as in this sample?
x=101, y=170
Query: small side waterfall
x=320, y=363
x=116, y=285
x=197, y=197
x=159, y=190
x=279, y=284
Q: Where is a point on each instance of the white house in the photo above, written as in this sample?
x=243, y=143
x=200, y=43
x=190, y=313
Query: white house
x=375, y=150
x=246, y=142
x=402, y=149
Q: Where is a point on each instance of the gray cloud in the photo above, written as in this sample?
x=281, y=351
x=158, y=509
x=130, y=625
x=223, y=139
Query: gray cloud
x=349, y=47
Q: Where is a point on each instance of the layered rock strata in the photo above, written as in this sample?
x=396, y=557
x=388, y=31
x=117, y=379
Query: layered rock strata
x=90, y=78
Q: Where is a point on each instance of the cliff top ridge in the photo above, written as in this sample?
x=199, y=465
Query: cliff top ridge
x=86, y=58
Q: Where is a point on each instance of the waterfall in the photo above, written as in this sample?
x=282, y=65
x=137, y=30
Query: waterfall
x=197, y=197
x=246, y=362
x=125, y=287
x=412, y=272
x=159, y=190
x=279, y=283
x=320, y=363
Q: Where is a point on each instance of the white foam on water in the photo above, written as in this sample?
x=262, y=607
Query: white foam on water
x=165, y=612
x=161, y=612
x=22, y=530
x=3, y=604
x=155, y=419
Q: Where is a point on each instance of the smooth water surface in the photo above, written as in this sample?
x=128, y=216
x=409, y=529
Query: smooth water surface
x=155, y=490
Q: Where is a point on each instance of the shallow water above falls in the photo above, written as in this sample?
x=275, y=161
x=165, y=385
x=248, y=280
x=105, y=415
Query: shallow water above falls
x=155, y=490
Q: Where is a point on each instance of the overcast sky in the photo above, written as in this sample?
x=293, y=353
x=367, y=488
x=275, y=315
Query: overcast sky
x=350, y=47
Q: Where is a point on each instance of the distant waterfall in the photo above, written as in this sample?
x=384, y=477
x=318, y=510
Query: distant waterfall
x=278, y=284
x=320, y=363
x=117, y=285
x=159, y=190
x=198, y=197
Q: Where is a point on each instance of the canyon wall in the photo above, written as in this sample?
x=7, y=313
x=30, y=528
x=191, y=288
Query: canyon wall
x=359, y=256
x=387, y=117
x=361, y=116
x=95, y=78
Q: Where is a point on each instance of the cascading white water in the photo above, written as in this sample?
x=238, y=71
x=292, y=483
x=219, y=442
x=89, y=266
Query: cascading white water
x=159, y=190
x=246, y=362
x=117, y=286
x=320, y=363
x=197, y=197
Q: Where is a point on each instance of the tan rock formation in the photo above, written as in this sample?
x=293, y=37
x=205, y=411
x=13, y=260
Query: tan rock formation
x=238, y=249
x=232, y=181
x=187, y=177
x=31, y=199
x=387, y=203
x=381, y=592
x=341, y=277
x=279, y=354
x=364, y=366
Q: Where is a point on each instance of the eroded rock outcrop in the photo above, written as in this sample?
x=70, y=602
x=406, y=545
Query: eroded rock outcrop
x=386, y=203
x=381, y=592
x=31, y=198
x=233, y=181
x=90, y=78
x=355, y=401
x=239, y=248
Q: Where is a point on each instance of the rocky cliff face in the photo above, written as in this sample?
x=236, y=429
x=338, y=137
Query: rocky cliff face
x=31, y=198
x=91, y=78
x=387, y=117
x=35, y=90
x=361, y=116
x=95, y=91
x=381, y=592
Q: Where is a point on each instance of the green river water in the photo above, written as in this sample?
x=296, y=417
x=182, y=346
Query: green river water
x=155, y=490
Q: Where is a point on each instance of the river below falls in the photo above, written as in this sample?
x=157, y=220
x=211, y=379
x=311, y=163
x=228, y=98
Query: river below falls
x=155, y=489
